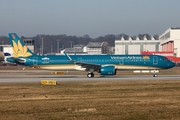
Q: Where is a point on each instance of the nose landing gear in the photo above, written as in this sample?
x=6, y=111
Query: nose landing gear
x=154, y=73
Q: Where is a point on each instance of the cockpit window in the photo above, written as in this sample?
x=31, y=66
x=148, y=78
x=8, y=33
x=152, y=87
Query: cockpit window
x=165, y=59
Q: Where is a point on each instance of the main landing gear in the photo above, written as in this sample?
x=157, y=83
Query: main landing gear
x=90, y=74
x=154, y=73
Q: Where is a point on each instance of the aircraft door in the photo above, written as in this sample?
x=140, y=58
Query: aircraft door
x=121, y=61
x=155, y=60
x=79, y=59
x=35, y=59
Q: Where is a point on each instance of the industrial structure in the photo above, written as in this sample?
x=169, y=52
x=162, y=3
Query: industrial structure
x=167, y=44
x=90, y=48
x=30, y=43
x=97, y=48
x=135, y=45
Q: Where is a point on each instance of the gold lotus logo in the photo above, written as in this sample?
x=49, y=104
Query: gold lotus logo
x=19, y=50
x=145, y=57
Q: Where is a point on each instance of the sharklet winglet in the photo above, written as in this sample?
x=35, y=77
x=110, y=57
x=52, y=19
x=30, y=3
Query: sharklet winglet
x=68, y=57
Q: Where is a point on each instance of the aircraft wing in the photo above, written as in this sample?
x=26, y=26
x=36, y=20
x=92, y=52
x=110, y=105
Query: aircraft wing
x=88, y=65
x=83, y=64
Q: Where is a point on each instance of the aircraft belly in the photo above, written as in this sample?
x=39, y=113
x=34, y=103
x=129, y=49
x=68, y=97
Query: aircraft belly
x=58, y=67
x=76, y=67
x=128, y=67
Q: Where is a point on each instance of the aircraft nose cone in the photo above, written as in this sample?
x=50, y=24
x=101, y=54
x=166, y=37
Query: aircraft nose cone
x=172, y=64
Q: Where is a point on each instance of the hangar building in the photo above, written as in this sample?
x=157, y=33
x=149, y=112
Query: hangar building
x=170, y=41
x=136, y=44
x=167, y=44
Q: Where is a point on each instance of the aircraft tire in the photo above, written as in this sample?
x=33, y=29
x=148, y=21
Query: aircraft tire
x=154, y=75
x=92, y=74
x=89, y=75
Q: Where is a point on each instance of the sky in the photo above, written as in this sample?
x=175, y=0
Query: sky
x=88, y=17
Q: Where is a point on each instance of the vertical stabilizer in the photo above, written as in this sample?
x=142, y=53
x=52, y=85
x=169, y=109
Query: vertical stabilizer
x=18, y=46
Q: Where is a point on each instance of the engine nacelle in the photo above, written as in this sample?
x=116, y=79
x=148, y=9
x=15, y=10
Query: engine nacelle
x=108, y=70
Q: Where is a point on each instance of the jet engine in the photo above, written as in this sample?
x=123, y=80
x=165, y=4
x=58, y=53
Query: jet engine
x=108, y=70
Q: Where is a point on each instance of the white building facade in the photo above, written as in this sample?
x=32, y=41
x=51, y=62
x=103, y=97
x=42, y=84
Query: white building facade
x=170, y=41
x=136, y=45
x=98, y=48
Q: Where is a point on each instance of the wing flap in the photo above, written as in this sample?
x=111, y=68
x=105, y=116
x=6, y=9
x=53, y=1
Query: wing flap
x=88, y=65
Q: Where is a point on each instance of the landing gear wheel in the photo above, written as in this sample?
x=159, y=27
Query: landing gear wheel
x=92, y=74
x=89, y=75
x=154, y=75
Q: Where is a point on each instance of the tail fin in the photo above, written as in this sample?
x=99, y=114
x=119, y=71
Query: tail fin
x=18, y=46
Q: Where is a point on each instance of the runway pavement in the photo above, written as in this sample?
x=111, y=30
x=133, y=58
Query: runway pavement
x=24, y=76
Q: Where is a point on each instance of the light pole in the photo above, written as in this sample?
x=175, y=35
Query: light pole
x=42, y=45
x=40, y=50
x=71, y=43
x=63, y=46
x=51, y=48
x=57, y=45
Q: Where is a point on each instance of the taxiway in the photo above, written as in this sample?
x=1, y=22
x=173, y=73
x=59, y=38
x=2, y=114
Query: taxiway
x=23, y=76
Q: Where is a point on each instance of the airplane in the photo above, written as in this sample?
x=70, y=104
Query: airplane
x=103, y=64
